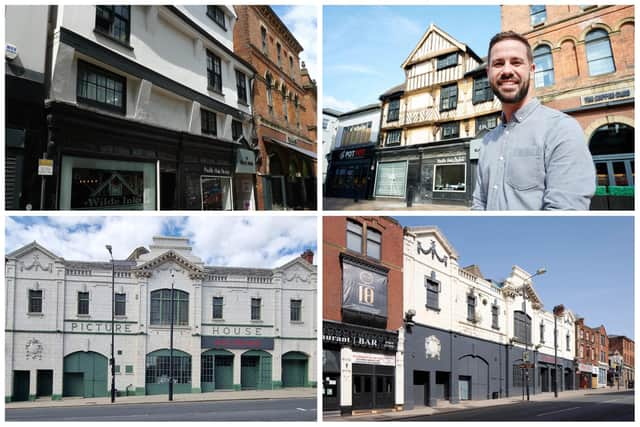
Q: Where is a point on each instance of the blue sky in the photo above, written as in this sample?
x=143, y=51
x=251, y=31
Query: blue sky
x=302, y=21
x=264, y=241
x=364, y=46
x=589, y=260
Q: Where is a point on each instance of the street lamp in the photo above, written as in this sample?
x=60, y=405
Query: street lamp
x=539, y=272
x=558, y=311
x=171, y=341
x=113, y=360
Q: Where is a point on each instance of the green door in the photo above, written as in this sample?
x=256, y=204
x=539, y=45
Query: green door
x=89, y=369
x=249, y=372
x=20, y=386
x=216, y=370
x=294, y=369
x=224, y=372
x=255, y=370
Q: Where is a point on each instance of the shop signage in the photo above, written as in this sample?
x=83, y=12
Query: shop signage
x=373, y=359
x=236, y=343
x=237, y=331
x=546, y=359
x=454, y=159
x=98, y=188
x=98, y=327
x=45, y=167
x=347, y=335
x=216, y=170
x=613, y=95
x=583, y=367
x=594, y=370
x=356, y=153
x=245, y=161
x=364, y=290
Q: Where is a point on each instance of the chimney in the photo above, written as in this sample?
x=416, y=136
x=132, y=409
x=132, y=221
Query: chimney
x=308, y=256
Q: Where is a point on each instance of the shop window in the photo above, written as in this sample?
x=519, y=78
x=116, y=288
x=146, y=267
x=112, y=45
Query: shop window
x=448, y=97
x=374, y=239
x=599, y=55
x=256, y=308
x=495, y=313
x=543, y=59
x=114, y=22
x=446, y=61
x=215, y=193
x=354, y=236
x=296, y=310
x=522, y=327
x=393, y=137
x=218, y=303
x=391, y=179
x=393, y=112
x=518, y=376
x=433, y=293
x=241, y=84
x=482, y=91
x=208, y=122
x=451, y=178
x=158, y=368
x=35, y=301
x=100, y=88
x=214, y=72
x=83, y=303
x=486, y=122
x=217, y=14
x=160, y=314
x=538, y=14
x=120, y=304
x=450, y=130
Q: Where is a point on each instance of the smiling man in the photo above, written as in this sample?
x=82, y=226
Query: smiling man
x=537, y=159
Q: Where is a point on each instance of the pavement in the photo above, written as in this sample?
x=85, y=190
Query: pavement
x=444, y=406
x=285, y=393
x=343, y=204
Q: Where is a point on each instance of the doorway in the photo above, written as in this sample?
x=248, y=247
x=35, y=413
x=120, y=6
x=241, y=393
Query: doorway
x=44, y=382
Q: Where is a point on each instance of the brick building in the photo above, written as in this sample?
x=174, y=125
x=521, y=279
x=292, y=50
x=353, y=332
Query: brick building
x=284, y=97
x=625, y=347
x=584, y=58
x=362, y=313
x=592, y=355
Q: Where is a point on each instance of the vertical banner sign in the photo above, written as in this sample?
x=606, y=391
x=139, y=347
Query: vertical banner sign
x=364, y=290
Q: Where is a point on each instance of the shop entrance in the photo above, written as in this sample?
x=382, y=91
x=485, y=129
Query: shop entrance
x=158, y=372
x=464, y=387
x=44, y=382
x=373, y=386
x=20, y=386
x=544, y=379
x=421, y=388
x=255, y=370
x=168, y=190
x=216, y=370
x=294, y=369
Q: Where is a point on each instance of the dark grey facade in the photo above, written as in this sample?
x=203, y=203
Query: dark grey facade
x=445, y=365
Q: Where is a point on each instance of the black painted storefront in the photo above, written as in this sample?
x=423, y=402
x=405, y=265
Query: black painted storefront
x=351, y=172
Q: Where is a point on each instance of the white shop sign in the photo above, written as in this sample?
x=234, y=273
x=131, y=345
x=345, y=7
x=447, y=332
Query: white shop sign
x=373, y=359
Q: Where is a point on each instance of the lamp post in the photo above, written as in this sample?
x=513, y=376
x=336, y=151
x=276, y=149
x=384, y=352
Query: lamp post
x=558, y=311
x=171, y=340
x=540, y=271
x=113, y=360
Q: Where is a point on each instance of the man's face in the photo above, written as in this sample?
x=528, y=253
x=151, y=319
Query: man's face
x=509, y=71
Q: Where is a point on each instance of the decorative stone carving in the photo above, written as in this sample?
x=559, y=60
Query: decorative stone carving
x=35, y=265
x=432, y=347
x=434, y=254
x=33, y=349
x=296, y=274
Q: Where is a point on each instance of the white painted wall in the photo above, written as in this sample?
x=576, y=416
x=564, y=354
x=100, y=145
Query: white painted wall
x=31, y=39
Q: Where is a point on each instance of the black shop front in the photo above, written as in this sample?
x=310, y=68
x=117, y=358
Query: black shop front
x=351, y=172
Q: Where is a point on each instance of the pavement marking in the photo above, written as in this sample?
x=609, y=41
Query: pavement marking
x=560, y=410
x=610, y=401
x=301, y=409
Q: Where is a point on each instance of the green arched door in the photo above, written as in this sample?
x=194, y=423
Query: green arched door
x=85, y=374
x=158, y=372
x=294, y=369
x=216, y=370
x=255, y=370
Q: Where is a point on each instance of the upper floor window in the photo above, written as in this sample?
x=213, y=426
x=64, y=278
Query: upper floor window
x=263, y=35
x=325, y=123
x=450, y=130
x=269, y=87
x=544, y=66
x=601, y=339
x=581, y=334
x=291, y=67
x=486, y=122
x=83, y=303
x=433, y=293
x=285, y=105
x=354, y=236
x=393, y=137
x=494, y=317
x=448, y=97
x=217, y=14
x=581, y=351
x=374, y=239
x=393, y=113
x=471, y=308
x=296, y=310
x=446, y=61
x=218, y=303
x=255, y=308
x=538, y=14
x=214, y=72
x=279, y=54
x=236, y=129
x=120, y=304
x=100, y=88
x=356, y=134
x=209, y=125
x=481, y=90
x=522, y=327
x=114, y=22
x=542, y=332
x=599, y=55
x=241, y=84
x=296, y=104
x=35, y=301
x=161, y=307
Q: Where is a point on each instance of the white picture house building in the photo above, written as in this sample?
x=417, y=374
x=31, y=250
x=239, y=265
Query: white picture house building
x=234, y=328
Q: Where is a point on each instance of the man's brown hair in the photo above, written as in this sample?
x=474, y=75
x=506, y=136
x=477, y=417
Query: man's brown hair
x=510, y=35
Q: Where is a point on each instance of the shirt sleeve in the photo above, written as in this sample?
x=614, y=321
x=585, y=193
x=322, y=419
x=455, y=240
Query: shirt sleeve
x=479, y=193
x=570, y=174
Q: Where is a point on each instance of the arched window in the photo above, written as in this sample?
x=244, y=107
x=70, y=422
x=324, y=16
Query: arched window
x=285, y=104
x=269, y=84
x=544, y=66
x=599, y=55
x=161, y=307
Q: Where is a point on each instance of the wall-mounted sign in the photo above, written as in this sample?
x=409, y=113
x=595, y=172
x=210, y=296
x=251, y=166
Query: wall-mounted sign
x=98, y=327
x=237, y=331
x=45, y=167
x=613, y=95
x=358, y=336
x=10, y=52
x=583, y=367
x=364, y=290
x=453, y=159
x=245, y=161
x=236, y=343
x=373, y=359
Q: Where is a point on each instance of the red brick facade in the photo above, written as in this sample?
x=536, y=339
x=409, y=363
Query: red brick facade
x=626, y=348
x=391, y=257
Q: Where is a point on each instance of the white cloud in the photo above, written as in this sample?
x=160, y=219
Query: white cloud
x=302, y=21
x=337, y=104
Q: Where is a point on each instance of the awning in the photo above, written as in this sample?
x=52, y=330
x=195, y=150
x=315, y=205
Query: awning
x=302, y=151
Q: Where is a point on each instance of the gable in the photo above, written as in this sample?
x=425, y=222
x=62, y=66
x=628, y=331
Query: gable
x=147, y=268
x=34, y=258
x=434, y=42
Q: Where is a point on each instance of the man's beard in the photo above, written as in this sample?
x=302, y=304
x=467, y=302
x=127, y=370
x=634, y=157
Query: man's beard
x=515, y=98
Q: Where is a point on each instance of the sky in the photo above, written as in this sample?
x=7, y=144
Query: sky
x=234, y=241
x=302, y=21
x=589, y=260
x=365, y=46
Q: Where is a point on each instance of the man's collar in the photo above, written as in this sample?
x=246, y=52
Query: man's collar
x=523, y=112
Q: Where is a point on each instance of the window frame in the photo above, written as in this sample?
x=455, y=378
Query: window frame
x=485, y=120
x=122, y=303
x=83, y=69
x=448, y=94
x=256, y=308
x=236, y=129
x=208, y=122
x=214, y=73
x=472, y=301
x=33, y=298
x=495, y=317
x=241, y=87
x=522, y=320
x=482, y=91
x=542, y=333
x=163, y=298
x=447, y=61
x=543, y=51
x=371, y=232
x=353, y=232
x=394, y=142
x=82, y=298
x=433, y=289
x=537, y=16
x=450, y=126
x=113, y=16
x=217, y=303
x=215, y=13
x=393, y=110
x=295, y=310
x=605, y=36
x=264, y=40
